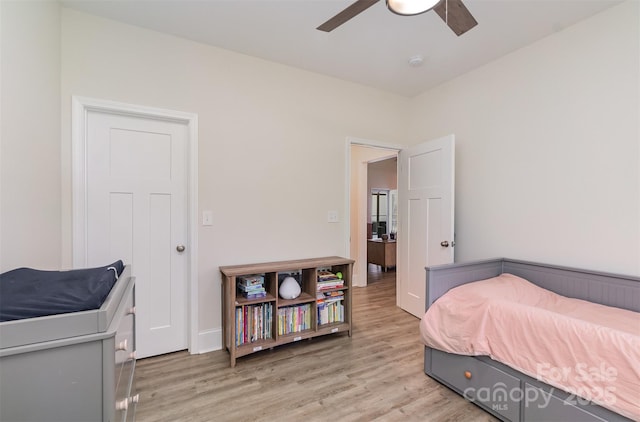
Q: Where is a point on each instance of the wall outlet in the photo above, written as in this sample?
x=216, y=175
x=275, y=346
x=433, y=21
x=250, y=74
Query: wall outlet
x=332, y=216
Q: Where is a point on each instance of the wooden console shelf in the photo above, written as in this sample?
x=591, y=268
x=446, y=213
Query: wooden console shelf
x=253, y=324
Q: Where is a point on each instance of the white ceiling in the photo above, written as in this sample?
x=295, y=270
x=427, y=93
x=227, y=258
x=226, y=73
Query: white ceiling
x=371, y=49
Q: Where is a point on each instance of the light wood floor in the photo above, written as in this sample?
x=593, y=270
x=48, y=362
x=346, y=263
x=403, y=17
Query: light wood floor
x=376, y=374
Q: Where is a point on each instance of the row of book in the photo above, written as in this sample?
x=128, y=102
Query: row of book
x=293, y=319
x=331, y=296
x=251, y=286
x=328, y=280
x=330, y=303
x=330, y=312
x=253, y=323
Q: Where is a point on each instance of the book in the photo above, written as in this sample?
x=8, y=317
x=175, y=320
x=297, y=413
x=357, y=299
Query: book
x=330, y=284
x=251, y=286
x=250, y=280
x=258, y=287
x=325, y=275
x=326, y=297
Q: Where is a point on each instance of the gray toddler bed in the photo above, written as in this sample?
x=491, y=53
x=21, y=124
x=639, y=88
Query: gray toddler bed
x=551, y=404
x=61, y=364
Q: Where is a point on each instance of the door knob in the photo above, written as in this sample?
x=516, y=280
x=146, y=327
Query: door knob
x=444, y=244
x=180, y=248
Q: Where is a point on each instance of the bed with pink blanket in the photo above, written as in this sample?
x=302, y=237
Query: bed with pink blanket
x=535, y=342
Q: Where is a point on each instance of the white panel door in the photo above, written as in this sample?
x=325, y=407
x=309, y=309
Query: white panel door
x=136, y=211
x=425, y=203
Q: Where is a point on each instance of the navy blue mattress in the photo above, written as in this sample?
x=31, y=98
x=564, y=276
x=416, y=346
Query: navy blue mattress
x=29, y=293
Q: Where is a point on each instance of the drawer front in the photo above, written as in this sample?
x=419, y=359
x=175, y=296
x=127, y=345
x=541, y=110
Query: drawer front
x=125, y=357
x=127, y=400
x=479, y=382
x=124, y=335
x=123, y=388
x=131, y=412
x=542, y=406
x=134, y=396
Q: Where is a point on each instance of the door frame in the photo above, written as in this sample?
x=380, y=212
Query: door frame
x=351, y=141
x=80, y=106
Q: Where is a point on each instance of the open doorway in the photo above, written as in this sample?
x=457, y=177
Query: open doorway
x=372, y=219
x=425, y=212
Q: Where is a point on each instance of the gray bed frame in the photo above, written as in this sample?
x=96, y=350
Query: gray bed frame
x=502, y=391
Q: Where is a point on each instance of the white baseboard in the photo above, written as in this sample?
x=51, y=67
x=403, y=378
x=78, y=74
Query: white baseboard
x=209, y=340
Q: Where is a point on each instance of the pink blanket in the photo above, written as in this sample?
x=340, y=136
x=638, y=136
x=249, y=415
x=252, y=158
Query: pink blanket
x=587, y=349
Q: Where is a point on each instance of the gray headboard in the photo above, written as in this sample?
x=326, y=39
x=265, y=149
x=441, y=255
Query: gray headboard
x=608, y=289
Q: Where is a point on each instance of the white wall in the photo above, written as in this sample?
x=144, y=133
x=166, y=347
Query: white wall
x=271, y=139
x=30, y=135
x=383, y=174
x=547, y=147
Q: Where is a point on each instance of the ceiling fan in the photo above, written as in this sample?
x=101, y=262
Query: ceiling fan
x=453, y=12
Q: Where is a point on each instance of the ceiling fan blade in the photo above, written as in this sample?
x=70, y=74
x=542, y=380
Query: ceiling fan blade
x=355, y=9
x=459, y=19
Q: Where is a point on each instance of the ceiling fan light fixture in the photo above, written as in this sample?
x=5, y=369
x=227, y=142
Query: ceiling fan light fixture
x=411, y=7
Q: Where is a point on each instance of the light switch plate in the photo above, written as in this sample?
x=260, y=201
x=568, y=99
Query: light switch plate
x=207, y=218
x=332, y=216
